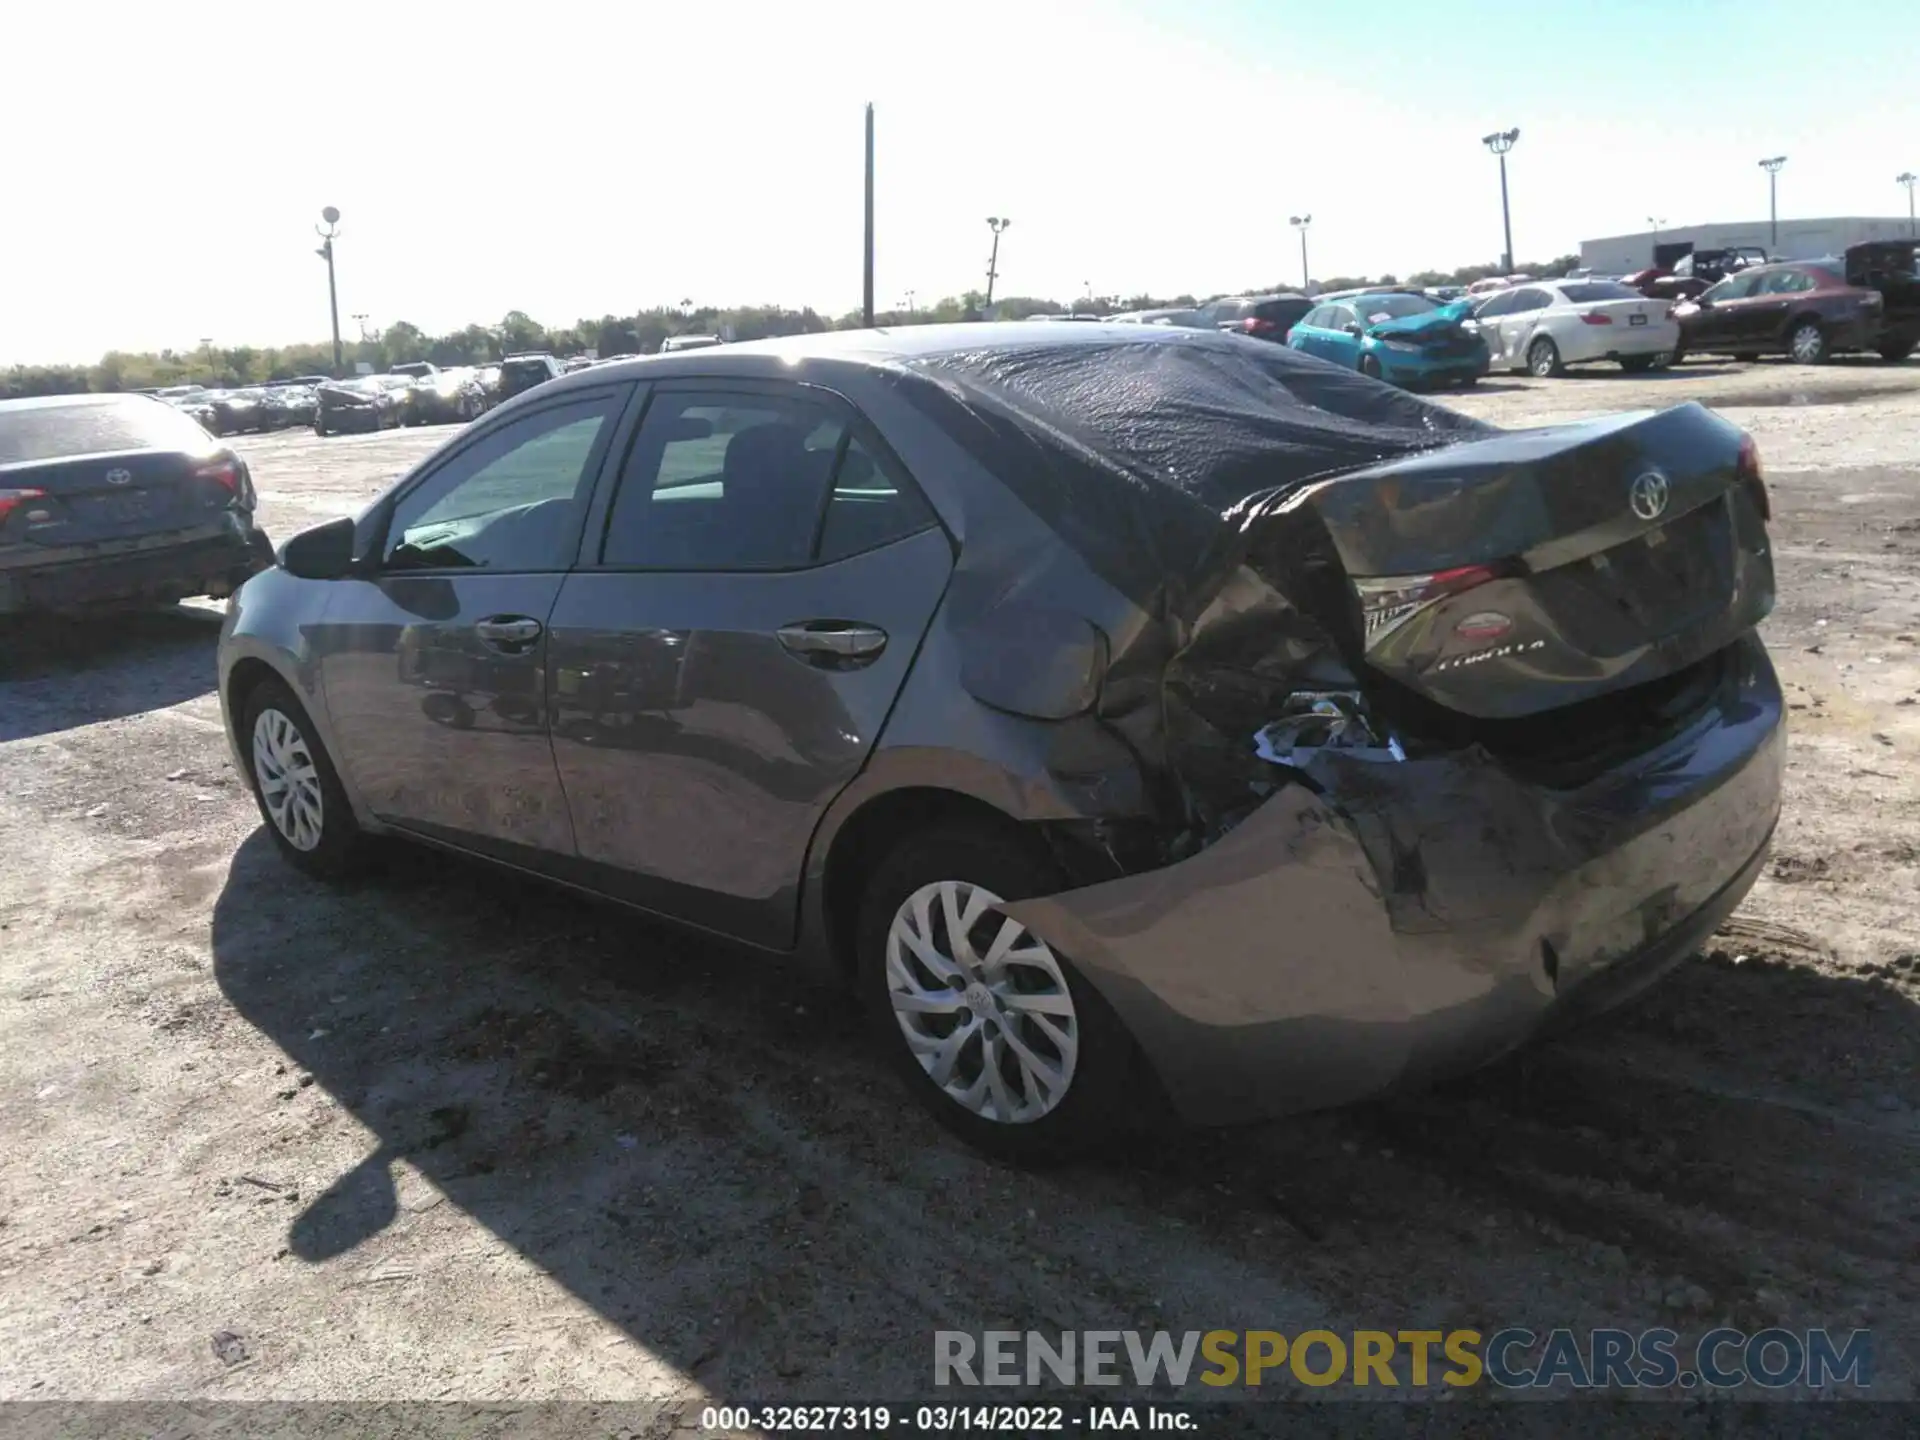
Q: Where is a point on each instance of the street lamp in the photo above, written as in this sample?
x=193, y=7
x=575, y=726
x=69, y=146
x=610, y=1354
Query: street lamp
x=1908, y=178
x=995, y=223
x=1300, y=223
x=360, y=318
x=206, y=344
x=910, y=295
x=1772, y=167
x=327, y=232
x=1500, y=142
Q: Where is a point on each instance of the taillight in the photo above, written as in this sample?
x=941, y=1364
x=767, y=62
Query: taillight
x=1747, y=471
x=1257, y=326
x=224, y=471
x=1388, y=601
x=1594, y=317
x=11, y=498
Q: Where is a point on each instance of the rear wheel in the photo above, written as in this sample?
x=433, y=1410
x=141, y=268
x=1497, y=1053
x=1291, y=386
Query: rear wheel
x=995, y=1032
x=1370, y=367
x=1896, y=351
x=1543, y=359
x=1807, y=343
x=294, y=782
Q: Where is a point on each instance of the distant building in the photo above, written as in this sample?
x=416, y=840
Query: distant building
x=1799, y=240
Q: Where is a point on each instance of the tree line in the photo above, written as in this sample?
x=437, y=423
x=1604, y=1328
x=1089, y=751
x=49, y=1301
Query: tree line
x=637, y=334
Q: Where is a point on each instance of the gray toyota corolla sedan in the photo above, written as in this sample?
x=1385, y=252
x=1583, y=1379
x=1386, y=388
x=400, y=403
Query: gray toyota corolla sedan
x=1110, y=706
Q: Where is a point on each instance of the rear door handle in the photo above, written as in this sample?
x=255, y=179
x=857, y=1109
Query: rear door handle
x=508, y=632
x=833, y=642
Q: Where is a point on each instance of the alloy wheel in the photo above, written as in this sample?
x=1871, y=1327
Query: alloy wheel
x=982, y=1002
x=288, y=779
x=1808, y=344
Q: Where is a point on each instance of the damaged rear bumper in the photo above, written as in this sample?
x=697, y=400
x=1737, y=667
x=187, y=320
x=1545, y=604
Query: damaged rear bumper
x=1390, y=922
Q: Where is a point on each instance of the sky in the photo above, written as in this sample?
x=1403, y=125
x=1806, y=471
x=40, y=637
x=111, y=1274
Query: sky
x=573, y=159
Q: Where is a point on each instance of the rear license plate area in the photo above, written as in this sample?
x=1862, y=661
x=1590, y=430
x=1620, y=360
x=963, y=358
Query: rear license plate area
x=1636, y=320
x=119, y=509
x=1675, y=573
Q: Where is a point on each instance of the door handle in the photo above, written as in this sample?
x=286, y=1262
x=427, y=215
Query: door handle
x=833, y=642
x=508, y=632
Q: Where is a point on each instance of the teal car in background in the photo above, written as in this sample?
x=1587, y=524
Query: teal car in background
x=1408, y=339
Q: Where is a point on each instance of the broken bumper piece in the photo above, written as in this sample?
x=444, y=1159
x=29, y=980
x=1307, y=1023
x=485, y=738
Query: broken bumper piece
x=1394, y=921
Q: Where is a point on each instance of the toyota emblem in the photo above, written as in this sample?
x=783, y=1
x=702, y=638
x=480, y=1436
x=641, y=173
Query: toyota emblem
x=119, y=477
x=1648, y=495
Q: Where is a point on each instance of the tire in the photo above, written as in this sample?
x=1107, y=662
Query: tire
x=1098, y=1069
x=317, y=833
x=320, y=428
x=1896, y=352
x=1748, y=357
x=1807, y=343
x=1638, y=364
x=1543, y=359
x=1370, y=368
x=1467, y=382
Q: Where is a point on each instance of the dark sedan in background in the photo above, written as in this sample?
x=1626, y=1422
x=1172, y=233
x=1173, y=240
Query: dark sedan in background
x=446, y=397
x=1103, y=704
x=1807, y=311
x=117, y=499
x=1264, y=317
x=367, y=402
x=239, y=412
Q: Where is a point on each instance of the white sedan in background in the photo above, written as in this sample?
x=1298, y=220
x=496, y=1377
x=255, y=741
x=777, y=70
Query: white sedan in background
x=1546, y=325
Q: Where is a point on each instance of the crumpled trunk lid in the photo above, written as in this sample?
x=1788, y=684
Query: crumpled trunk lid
x=1538, y=569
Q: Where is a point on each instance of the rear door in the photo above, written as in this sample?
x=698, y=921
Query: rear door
x=751, y=595
x=1518, y=322
x=1487, y=318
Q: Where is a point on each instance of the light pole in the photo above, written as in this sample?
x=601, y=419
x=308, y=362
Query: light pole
x=1772, y=167
x=910, y=295
x=1300, y=223
x=1500, y=142
x=327, y=232
x=206, y=344
x=995, y=223
x=360, y=319
x=1908, y=179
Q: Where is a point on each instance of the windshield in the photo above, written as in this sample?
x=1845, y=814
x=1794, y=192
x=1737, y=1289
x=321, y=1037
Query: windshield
x=1392, y=307
x=91, y=427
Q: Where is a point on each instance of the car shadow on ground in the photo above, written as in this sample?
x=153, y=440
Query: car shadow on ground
x=58, y=672
x=707, y=1154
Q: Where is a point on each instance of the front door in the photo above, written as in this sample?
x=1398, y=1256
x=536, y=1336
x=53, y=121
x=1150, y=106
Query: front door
x=721, y=674
x=433, y=666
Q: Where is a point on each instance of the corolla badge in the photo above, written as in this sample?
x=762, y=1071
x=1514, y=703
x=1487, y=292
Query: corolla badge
x=119, y=477
x=1648, y=495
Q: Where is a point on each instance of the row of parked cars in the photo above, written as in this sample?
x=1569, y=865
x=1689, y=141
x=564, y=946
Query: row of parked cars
x=1739, y=302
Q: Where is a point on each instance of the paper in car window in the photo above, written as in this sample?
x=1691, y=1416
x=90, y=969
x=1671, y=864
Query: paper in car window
x=1379, y=316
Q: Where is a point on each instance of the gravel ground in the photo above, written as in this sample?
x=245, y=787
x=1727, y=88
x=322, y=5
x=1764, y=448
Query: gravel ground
x=447, y=1135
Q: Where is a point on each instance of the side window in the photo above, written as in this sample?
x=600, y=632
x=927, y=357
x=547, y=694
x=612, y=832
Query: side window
x=1734, y=287
x=510, y=501
x=719, y=481
x=1528, y=300
x=1786, y=282
x=1343, y=316
x=1317, y=317
x=1499, y=305
x=869, y=507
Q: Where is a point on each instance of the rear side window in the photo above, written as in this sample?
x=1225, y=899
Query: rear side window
x=1526, y=300
x=1591, y=290
x=32, y=433
x=1785, y=282
x=719, y=481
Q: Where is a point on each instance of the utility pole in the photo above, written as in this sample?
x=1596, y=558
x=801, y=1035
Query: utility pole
x=866, y=292
x=910, y=295
x=1500, y=142
x=360, y=318
x=1772, y=167
x=1908, y=179
x=996, y=223
x=327, y=232
x=1300, y=223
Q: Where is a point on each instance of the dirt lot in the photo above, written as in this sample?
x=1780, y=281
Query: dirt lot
x=448, y=1135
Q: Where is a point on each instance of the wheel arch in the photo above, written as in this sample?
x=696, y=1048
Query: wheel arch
x=866, y=833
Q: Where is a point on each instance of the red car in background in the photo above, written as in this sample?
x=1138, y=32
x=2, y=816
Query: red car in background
x=1806, y=310
x=1691, y=274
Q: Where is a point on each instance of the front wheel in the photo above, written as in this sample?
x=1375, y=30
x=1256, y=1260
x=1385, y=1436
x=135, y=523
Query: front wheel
x=1543, y=359
x=995, y=1032
x=296, y=787
x=1370, y=368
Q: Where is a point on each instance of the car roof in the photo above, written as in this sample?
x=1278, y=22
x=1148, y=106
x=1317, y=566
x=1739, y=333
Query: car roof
x=84, y=397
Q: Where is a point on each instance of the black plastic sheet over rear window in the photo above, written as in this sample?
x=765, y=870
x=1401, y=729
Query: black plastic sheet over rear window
x=1150, y=457
x=34, y=432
